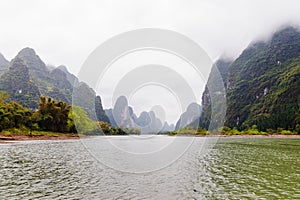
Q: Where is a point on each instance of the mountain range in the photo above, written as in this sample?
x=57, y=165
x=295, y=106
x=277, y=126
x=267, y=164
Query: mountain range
x=261, y=87
x=27, y=77
x=122, y=115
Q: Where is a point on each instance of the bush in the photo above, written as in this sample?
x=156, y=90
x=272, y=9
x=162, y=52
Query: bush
x=297, y=129
x=201, y=131
x=226, y=130
x=271, y=131
x=286, y=132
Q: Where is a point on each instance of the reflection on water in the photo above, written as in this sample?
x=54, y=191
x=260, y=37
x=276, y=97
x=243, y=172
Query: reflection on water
x=233, y=169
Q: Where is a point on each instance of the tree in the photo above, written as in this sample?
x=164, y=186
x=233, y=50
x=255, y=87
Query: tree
x=105, y=127
x=81, y=121
x=52, y=115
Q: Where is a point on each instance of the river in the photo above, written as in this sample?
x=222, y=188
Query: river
x=226, y=168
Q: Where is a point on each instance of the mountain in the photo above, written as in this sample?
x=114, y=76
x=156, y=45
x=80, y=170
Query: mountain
x=149, y=123
x=122, y=115
x=70, y=77
x=28, y=77
x=19, y=85
x=4, y=64
x=214, y=95
x=263, y=84
x=191, y=114
x=51, y=83
x=167, y=128
x=100, y=113
x=109, y=114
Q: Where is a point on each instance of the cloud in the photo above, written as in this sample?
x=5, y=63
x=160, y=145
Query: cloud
x=66, y=32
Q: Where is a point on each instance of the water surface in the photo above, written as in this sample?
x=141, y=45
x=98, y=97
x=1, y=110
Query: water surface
x=235, y=168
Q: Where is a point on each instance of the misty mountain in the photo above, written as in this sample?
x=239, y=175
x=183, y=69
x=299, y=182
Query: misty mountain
x=28, y=77
x=122, y=115
x=263, y=85
x=4, y=64
x=191, y=114
x=214, y=94
x=167, y=128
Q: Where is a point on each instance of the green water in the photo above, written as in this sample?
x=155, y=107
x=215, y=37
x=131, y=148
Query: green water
x=232, y=169
x=256, y=168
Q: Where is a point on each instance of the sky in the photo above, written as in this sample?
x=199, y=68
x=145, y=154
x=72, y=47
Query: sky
x=65, y=32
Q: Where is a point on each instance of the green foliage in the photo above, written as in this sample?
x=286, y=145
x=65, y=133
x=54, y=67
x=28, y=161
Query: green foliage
x=53, y=116
x=105, y=127
x=132, y=131
x=13, y=115
x=262, y=86
x=81, y=121
x=297, y=129
x=254, y=131
x=190, y=130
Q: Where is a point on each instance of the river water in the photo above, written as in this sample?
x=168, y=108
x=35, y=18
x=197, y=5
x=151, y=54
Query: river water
x=227, y=168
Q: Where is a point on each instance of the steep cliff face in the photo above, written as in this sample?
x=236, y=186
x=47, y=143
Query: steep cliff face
x=214, y=95
x=262, y=84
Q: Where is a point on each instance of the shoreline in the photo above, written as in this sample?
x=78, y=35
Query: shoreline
x=242, y=136
x=8, y=138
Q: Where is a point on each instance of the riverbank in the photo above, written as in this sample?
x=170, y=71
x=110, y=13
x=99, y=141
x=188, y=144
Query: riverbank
x=9, y=137
x=241, y=136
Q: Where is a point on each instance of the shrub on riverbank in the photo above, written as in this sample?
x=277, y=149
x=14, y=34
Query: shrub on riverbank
x=228, y=131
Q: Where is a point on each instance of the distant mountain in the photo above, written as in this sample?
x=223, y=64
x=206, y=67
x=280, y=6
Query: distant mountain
x=122, y=115
x=167, y=128
x=191, y=114
x=109, y=114
x=28, y=77
x=263, y=84
x=4, y=64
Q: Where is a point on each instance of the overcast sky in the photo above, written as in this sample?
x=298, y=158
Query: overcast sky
x=67, y=31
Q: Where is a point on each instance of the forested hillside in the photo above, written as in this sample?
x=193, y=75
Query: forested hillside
x=262, y=85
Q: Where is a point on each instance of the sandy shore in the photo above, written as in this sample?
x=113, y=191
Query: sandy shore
x=18, y=137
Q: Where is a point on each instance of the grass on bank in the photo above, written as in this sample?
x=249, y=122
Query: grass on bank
x=228, y=131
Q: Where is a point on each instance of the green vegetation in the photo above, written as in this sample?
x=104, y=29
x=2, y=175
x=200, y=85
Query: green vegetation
x=110, y=130
x=262, y=87
x=51, y=118
x=190, y=130
x=225, y=130
x=26, y=78
x=254, y=131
